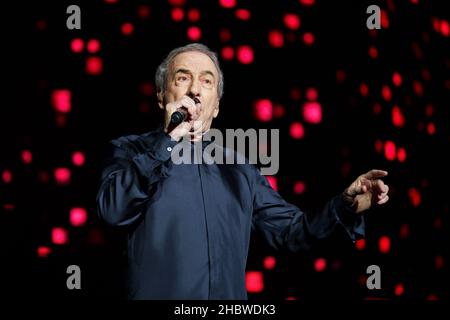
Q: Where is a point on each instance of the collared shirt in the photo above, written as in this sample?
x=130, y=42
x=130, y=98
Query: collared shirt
x=189, y=225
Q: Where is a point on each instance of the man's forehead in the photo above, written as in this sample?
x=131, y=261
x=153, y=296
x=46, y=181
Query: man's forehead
x=194, y=61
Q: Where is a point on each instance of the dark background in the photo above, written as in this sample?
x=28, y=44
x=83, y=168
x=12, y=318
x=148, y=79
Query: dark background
x=37, y=60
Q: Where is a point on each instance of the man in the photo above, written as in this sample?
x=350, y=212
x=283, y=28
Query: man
x=189, y=224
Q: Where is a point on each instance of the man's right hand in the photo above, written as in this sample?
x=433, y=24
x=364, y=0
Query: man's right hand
x=185, y=127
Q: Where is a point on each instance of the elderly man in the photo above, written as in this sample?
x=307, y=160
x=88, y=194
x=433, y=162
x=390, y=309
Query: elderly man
x=189, y=224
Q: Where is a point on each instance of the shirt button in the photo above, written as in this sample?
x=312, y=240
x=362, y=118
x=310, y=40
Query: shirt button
x=169, y=149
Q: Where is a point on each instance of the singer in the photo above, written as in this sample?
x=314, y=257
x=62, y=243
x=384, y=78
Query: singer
x=189, y=225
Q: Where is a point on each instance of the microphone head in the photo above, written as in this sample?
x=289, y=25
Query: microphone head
x=177, y=117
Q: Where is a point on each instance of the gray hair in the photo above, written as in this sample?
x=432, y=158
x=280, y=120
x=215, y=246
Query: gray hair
x=163, y=68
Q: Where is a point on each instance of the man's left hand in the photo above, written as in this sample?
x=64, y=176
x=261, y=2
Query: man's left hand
x=366, y=190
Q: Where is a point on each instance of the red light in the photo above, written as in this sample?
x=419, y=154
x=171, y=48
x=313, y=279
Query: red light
x=194, y=15
x=43, y=251
x=228, y=3
x=269, y=262
x=78, y=158
x=397, y=117
x=312, y=112
x=225, y=35
x=432, y=297
x=431, y=128
x=77, y=45
x=429, y=110
x=404, y=231
x=360, y=244
x=386, y=93
x=389, y=150
x=27, y=156
x=276, y=39
x=299, y=187
x=378, y=146
x=227, y=53
x=291, y=21
x=399, y=289
x=93, y=46
x=373, y=52
x=59, y=236
x=401, y=154
x=445, y=28
x=62, y=176
x=7, y=176
x=340, y=76
x=397, y=79
x=143, y=11
x=245, y=54
x=384, y=244
x=439, y=262
x=61, y=100
x=418, y=89
x=177, y=14
x=254, y=281
x=296, y=94
x=384, y=19
x=127, y=28
x=264, y=110
x=376, y=108
x=308, y=39
x=297, y=130
x=320, y=264
x=311, y=94
x=364, y=89
x=414, y=197
x=278, y=111
x=177, y=2
x=243, y=14
x=194, y=33
x=78, y=216
x=94, y=65
x=273, y=182
x=307, y=2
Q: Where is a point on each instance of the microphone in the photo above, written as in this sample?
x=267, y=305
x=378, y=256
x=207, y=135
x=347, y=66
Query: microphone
x=178, y=116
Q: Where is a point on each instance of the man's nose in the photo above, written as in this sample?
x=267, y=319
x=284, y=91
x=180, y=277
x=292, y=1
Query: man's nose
x=194, y=89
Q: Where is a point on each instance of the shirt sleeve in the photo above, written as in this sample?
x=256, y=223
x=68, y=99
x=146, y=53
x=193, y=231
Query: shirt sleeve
x=129, y=172
x=284, y=225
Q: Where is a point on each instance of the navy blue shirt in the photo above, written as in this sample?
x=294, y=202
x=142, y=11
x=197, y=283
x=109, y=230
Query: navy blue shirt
x=189, y=224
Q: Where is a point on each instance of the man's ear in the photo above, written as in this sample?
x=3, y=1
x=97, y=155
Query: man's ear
x=216, y=109
x=160, y=96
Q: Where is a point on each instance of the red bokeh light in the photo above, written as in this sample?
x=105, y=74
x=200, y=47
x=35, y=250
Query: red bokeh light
x=308, y=38
x=269, y=262
x=143, y=11
x=291, y=21
x=384, y=244
x=399, y=289
x=227, y=53
x=312, y=94
x=62, y=176
x=307, y=2
x=78, y=158
x=127, y=28
x=93, y=46
x=320, y=264
x=7, y=176
x=228, y=3
x=276, y=39
x=397, y=79
x=439, y=262
x=61, y=100
x=278, y=111
x=78, y=216
x=312, y=112
x=431, y=128
x=94, y=65
x=77, y=45
x=245, y=54
x=414, y=197
x=364, y=89
x=397, y=117
x=254, y=281
x=299, y=187
x=194, y=15
x=401, y=154
x=27, y=156
x=390, y=150
x=59, y=236
x=386, y=93
x=194, y=33
x=297, y=130
x=404, y=231
x=360, y=244
x=264, y=110
x=373, y=52
x=243, y=14
x=273, y=182
x=43, y=251
x=177, y=14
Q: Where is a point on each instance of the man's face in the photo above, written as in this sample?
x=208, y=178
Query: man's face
x=193, y=74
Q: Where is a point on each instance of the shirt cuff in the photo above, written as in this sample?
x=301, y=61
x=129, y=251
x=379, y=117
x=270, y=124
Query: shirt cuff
x=352, y=222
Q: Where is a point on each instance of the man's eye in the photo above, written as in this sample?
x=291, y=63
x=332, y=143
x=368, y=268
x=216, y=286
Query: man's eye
x=182, y=78
x=207, y=81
